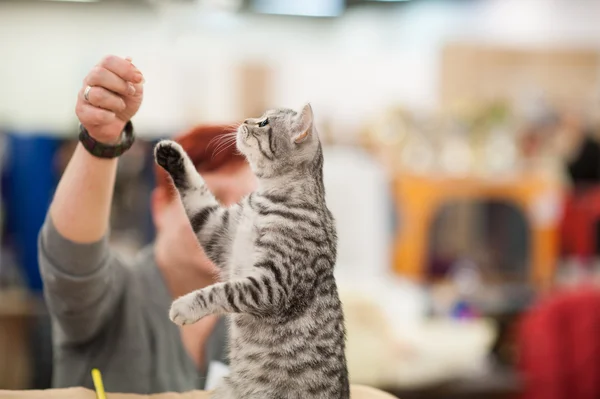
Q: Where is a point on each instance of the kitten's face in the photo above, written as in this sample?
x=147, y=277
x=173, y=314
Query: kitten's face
x=279, y=138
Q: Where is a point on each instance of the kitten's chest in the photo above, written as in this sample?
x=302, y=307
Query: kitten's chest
x=243, y=248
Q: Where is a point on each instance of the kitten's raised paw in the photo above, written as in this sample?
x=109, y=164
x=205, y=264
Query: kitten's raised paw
x=169, y=155
x=186, y=310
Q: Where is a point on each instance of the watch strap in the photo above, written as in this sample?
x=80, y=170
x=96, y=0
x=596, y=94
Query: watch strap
x=108, y=151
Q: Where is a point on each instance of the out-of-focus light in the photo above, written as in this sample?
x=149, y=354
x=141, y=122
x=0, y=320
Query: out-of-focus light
x=223, y=5
x=307, y=8
x=73, y=1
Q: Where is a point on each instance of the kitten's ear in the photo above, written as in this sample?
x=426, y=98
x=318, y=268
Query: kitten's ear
x=306, y=124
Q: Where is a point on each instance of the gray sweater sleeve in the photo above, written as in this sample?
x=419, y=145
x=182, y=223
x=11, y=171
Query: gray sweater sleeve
x=83, y=284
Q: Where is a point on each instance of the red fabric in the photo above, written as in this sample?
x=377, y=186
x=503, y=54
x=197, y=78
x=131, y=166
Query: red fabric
x=559, y=347
x=581, y=212
x=209, y=148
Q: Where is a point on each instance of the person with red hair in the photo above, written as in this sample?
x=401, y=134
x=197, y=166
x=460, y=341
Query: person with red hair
x=111, y=314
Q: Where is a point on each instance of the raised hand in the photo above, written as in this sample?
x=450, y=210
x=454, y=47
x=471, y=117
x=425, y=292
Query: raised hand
x=111, y=95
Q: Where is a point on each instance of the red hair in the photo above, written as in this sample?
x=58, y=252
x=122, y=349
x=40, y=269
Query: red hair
x=202, y=145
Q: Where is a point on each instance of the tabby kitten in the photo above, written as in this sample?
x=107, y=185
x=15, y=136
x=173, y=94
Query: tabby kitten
x=276, y=250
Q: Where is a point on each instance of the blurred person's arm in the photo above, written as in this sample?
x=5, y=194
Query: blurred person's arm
x=83, y=280
x=81, y=206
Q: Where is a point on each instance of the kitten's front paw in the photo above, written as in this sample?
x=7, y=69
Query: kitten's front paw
x=169, y=155
x=186, y=310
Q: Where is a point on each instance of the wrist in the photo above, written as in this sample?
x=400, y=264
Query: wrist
x=108, y=135
x=104, y=150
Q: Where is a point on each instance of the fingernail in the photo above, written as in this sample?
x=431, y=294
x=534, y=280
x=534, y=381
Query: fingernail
x=137, y=78
x=130, y=89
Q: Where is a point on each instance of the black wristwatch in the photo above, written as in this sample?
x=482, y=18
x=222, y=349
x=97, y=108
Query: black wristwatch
x=101, y=150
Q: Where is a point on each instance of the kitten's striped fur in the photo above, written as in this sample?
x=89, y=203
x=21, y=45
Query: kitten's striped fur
x=276, y=250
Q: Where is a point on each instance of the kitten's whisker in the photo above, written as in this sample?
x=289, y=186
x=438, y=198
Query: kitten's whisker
x=222, y=145
x=224, y=142
x=216, y=138
x=224, y=148
x=233, y=126
x=221, y=137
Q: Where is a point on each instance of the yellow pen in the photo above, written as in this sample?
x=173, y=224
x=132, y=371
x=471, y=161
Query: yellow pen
x=98, y=384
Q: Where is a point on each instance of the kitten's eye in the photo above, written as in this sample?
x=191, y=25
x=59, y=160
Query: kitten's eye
x=263, y=123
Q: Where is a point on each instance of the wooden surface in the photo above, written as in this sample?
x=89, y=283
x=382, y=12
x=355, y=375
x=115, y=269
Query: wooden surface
x=83, y=393
x=255, y=89
x=498, y=383
x=358, y=392
x=477, y=73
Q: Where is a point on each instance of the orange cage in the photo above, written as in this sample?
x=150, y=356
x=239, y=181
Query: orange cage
x=419, y=198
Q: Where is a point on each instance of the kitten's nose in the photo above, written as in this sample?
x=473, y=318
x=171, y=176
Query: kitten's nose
x=247, y=121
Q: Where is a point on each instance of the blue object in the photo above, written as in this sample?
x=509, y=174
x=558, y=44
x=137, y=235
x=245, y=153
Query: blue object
x=462, y=310
x=29, y=181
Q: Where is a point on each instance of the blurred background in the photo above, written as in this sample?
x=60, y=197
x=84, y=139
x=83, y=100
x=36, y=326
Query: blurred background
x=462, y=166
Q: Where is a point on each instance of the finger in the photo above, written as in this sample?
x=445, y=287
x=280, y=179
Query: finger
x=122, y=68
x=102, y=98
x=139, y=89
x=102, y=77
x=130, y=60
x=136, y=68
x=91, y=116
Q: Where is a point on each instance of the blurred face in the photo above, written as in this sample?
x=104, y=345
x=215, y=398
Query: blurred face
x=228, y=184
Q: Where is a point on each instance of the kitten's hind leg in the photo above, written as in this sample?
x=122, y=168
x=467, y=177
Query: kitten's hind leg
x=209, y=220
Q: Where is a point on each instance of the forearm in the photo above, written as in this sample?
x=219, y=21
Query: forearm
x=81, y=206
x=83, y=281
x=257, y=295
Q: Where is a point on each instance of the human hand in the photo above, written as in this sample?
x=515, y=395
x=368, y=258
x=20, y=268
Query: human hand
x=115, y=95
